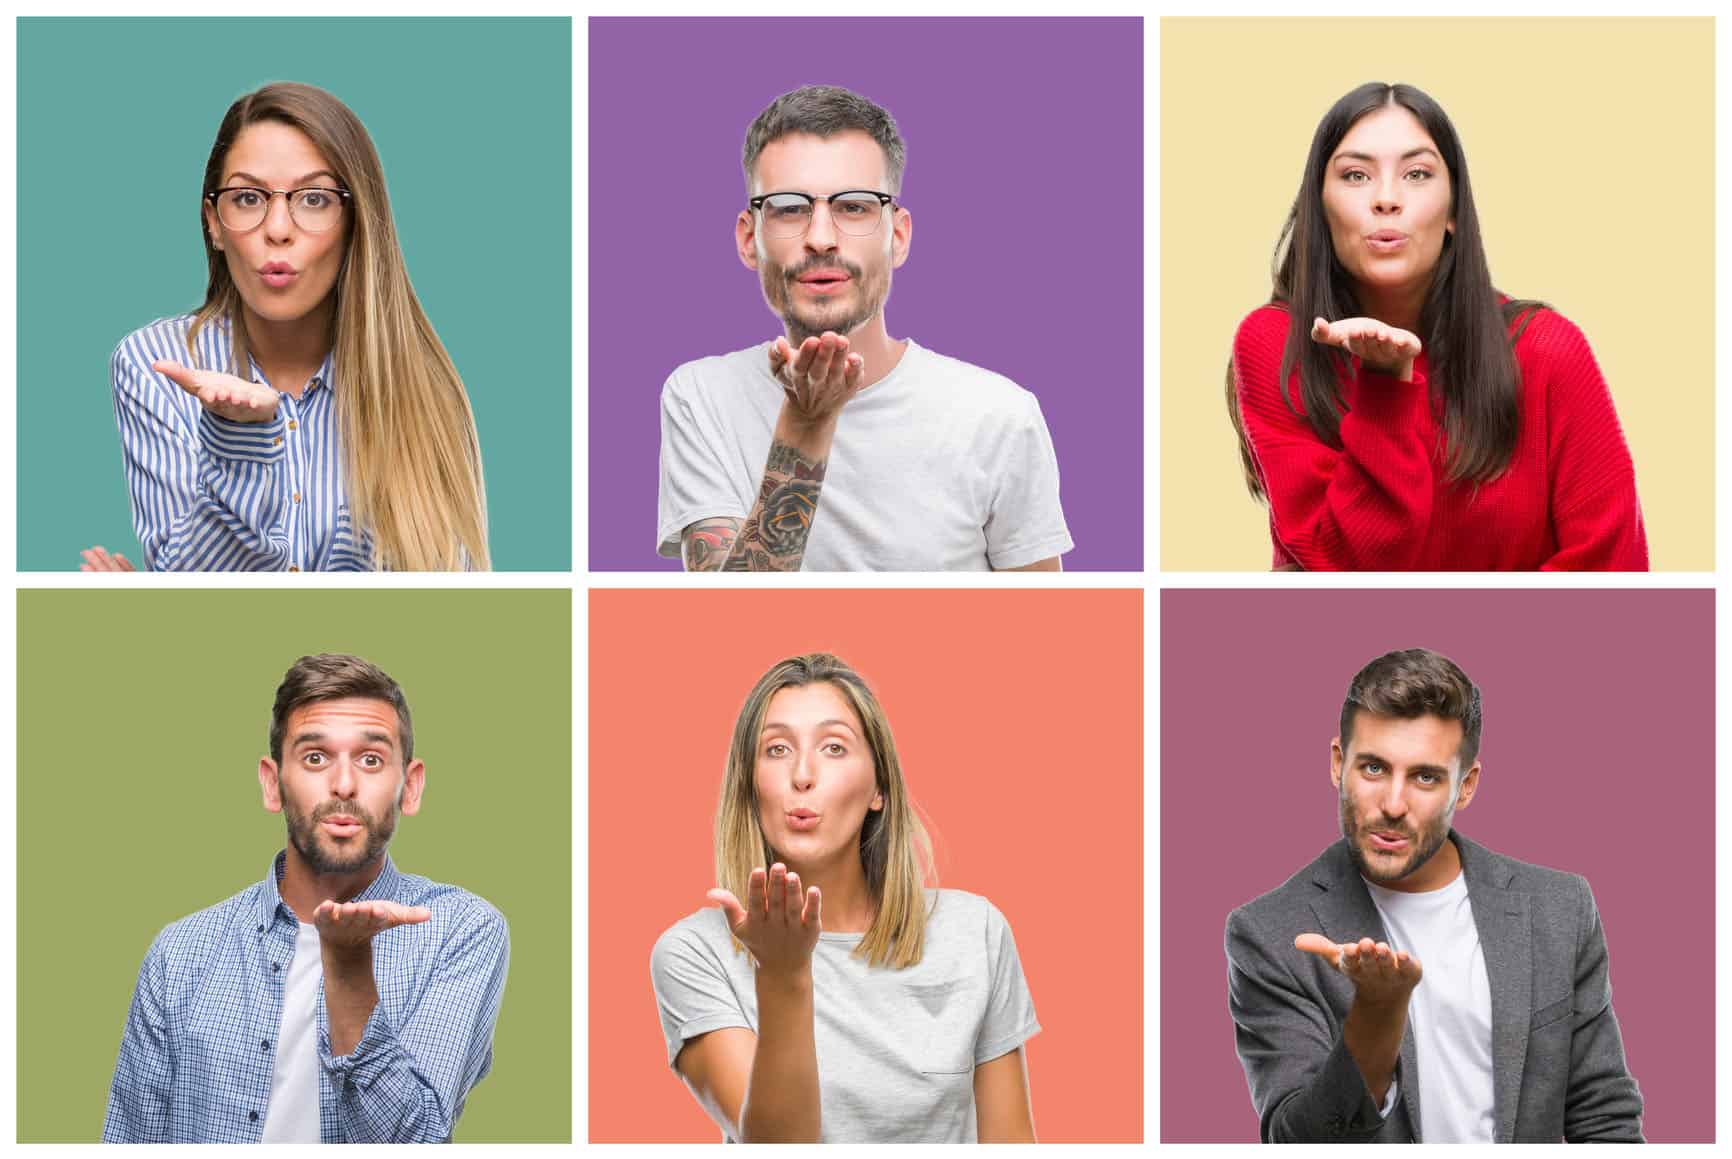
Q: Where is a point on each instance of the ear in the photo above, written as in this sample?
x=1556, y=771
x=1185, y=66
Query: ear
x=877, y=802
x=746, y=238
x=1336, y=759
x=1469, y=786
x=212, y=226
x=901, y=236
x=268, y=784
x=414, y=781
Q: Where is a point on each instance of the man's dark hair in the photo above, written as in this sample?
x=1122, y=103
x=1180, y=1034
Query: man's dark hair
x=334, y=676
x=1413, y=683
x=825, y=111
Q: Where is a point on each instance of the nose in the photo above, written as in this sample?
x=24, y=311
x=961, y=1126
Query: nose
x=279, y=223
x=1394, y=803
x=344, y=782
x=805, y=770
x=821, y=233
x=1388, y=197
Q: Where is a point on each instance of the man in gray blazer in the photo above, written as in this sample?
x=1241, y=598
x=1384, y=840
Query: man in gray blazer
x=1410, y=984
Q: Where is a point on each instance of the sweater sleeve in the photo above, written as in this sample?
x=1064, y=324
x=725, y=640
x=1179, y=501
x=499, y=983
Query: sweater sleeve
x=1365, y=506
x=1595, y=514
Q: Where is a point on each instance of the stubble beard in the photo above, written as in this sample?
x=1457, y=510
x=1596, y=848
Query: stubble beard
x=304, y=834
x=1426, y=843
x=869, y=294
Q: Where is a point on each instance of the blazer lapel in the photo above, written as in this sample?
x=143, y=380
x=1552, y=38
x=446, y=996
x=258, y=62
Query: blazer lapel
x=1506, y=939
x=1345, y=913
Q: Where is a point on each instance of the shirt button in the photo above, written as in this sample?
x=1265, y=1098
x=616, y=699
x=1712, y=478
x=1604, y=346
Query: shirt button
x=275, y=967
x=253, y=1115
x=292, y=425
x=292, y=567
x=261, y=929
x=277, y=442
x=265, y=1045
x=296, y=496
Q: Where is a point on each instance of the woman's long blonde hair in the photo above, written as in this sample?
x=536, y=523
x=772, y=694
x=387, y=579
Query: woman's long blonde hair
x=895, y=852
x=411, y=456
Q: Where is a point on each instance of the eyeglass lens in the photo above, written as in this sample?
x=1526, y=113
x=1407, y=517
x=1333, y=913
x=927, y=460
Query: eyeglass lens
x=790, y=214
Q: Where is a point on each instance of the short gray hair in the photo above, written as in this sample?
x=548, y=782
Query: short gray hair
x=825, y=111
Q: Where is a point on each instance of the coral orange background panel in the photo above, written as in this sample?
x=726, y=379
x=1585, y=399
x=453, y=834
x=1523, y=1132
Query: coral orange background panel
x=1019, y=719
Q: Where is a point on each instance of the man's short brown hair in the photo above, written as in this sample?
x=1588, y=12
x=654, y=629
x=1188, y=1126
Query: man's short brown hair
x=825, y=111
x=1413, y=683
x=334, y=676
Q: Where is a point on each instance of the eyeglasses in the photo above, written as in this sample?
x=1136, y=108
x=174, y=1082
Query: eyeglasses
x=315, y=209
x=856, y=212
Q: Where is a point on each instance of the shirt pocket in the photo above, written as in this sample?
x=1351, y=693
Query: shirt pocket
x=948, y=1015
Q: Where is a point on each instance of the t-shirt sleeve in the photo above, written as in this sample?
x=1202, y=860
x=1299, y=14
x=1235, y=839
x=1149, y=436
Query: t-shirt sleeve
x=1010, y=1019
x=693, y=995
x=1026, y=523
x=695, y=481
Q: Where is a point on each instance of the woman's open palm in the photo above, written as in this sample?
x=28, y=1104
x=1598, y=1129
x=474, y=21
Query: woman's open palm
x=778, y=923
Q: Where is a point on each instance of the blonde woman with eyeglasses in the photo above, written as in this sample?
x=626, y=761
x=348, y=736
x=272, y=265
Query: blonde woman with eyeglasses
x=306, y=416
x=841, y=1000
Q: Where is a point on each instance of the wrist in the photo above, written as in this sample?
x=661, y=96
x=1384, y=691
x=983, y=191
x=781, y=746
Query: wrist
x=785, y=979
x=347, y=961
x=807, y=434
x=1399, y=370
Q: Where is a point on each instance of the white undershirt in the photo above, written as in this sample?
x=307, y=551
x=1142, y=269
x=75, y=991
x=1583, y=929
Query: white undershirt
x=293, y=1116
x=1450, y=1010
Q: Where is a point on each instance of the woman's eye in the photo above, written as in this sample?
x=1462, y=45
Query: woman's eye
x=835, y=749
x=776, y=750
x=245, y=199
x=1354, y=177
x=314, y=199
x=1421, y=174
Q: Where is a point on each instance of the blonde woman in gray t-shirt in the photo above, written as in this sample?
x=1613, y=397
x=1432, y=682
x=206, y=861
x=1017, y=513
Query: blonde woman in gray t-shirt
x=842, y=1001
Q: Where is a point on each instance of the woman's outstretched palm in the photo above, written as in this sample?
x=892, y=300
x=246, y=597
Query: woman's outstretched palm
x=778, y=923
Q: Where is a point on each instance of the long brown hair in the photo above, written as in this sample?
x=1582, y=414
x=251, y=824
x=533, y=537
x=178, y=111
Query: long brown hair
x=1465, y=330
x=411, y=455
x=895, y=851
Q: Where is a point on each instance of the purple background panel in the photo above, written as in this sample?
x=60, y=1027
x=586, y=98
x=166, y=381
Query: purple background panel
x=1025, y=180
x=1597, y=758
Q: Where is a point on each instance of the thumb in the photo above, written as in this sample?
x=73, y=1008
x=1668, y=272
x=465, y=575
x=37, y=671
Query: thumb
x=736, y=913
x=1319, y=945
x=1322, y=331
x=410, y=914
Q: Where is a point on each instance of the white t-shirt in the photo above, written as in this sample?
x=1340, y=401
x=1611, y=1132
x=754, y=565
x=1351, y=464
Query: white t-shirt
x=938, y=466
x=896, y=1048
x=293, y=1113
x=1450, y=1010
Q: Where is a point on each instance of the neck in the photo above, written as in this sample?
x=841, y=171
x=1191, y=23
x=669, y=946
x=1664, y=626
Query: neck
x=1398, y=306
x=291, y=352
x=848, y=905
x=871, y=340
x=304, y=887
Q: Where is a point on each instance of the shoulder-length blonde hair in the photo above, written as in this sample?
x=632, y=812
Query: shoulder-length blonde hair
x=895, y=851
x=411, y=456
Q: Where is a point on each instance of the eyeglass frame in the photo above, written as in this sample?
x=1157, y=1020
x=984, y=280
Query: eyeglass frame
x=343, y=195
x=884, y=200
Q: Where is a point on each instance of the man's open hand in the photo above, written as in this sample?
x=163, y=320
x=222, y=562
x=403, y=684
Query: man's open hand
x=1379, y=973
x=819, y=378
x=223, y=395
x=351, y=925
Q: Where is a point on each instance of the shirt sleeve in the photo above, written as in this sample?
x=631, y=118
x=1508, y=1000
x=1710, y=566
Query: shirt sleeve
x=693, y=993
x=695, y=480
x=1026, y=523
x=207, y=494
x=1595, y=514
x=138, y=1098
x=407, y=1083
x=1010, y=1019
x=1365, y=505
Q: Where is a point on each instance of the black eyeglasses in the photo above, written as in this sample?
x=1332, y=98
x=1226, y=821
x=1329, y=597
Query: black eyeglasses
x=856, y=212
x=316, y=208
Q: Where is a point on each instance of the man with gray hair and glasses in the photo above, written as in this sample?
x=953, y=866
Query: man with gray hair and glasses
x=836, y=447
x=1411, y=985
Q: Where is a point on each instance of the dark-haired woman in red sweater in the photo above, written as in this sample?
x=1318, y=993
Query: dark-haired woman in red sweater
x=1395, y=411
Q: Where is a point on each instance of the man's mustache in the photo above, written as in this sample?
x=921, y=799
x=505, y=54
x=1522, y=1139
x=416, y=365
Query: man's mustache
x=812, y=266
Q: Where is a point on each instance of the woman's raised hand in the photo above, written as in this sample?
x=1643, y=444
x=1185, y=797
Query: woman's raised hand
x=779, y=923
x=99, y=558
x=1379, y=347
x=223, y=395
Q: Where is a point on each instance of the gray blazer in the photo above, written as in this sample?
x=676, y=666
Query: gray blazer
x=1557, y=1059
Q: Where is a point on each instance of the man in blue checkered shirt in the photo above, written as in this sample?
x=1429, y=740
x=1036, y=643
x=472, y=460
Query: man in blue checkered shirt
x=339, y=1000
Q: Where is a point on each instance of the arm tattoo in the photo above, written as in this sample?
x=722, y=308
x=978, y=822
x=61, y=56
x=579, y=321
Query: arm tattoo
x=707, y=541
x=773, y=536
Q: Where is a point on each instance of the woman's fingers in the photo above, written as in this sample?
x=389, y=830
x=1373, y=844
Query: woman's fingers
x=812, y=915
x=757, y=890
x=778, y=889
x=792, y=902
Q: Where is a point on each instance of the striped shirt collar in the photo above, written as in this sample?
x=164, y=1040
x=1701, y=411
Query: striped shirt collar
x=381, y=888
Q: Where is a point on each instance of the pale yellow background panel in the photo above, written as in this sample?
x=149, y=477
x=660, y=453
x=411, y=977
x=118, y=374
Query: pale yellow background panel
x=1590, y=145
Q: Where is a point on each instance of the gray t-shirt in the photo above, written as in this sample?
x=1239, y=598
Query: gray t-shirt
x=896, y=1048
x=938, y=466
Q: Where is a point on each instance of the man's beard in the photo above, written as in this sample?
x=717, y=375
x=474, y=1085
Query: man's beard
x=804, y=322
x=1422, y=846
x=304, y=834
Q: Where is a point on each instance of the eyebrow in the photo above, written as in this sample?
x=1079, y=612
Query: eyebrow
x=259, y=182
x=822, y=725
x=1361, y=758
x=371, y=736
x=1368, y=157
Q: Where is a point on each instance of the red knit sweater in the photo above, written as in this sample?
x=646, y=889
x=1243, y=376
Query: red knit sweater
x=1382, y=503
